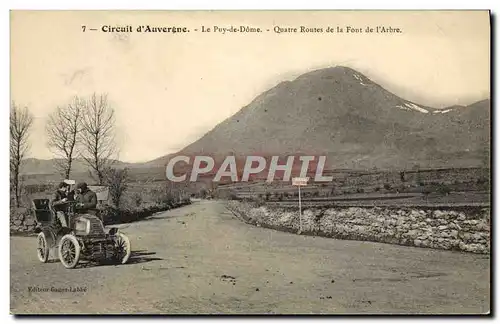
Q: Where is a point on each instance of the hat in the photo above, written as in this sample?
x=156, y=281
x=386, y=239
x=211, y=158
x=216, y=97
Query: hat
x=62, y=185
x=81, y=185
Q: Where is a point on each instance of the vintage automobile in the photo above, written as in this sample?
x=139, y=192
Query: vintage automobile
x=85, y=238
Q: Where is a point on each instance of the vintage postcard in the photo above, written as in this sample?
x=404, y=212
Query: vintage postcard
x=250, y=162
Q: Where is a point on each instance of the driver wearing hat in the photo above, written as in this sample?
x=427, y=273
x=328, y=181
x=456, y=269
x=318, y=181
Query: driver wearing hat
x=86, y=199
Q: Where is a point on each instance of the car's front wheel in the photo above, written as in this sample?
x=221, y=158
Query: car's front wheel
x=42, y=249
x=69, y=251
x=122, y=248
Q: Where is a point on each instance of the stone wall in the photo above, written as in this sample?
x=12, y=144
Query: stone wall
x=465, y=230
x=21, y=220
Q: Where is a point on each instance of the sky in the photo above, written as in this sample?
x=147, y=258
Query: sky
x=169, y=89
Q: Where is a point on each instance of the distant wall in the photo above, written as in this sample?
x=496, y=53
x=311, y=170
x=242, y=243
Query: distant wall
x=440, y=229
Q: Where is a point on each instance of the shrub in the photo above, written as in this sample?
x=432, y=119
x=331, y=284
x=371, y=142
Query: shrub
x=482, y=180
x=117, y=181
x=37, y=188
x=137, y=199
x=387, y=186
x=161, y=197
x=443, y=189
x=202, y=193
x=360, y=190
x=108, y=214
x=426, y=191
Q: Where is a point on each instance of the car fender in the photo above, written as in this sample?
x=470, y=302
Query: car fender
x=113, y=230
x=50, y=237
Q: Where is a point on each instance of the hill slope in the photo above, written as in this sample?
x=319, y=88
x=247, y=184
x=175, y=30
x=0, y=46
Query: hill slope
x=41, y=166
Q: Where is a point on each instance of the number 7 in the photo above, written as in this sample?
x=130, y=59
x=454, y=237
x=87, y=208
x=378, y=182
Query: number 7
x=83, y=28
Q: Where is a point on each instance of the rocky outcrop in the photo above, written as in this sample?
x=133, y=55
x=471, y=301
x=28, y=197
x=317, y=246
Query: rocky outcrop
x=467, y=230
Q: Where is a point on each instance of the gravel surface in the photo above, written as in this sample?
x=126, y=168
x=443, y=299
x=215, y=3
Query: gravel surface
x=201, y=259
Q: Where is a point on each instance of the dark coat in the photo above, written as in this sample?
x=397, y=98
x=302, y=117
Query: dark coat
x=88, y=199
x=56, y=202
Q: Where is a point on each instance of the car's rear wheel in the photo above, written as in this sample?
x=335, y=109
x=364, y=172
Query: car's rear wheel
x=69, y=251
x=42, y=249
x=122, y=248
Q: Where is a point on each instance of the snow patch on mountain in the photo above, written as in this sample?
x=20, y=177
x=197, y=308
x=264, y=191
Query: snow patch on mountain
x=415, y=107
x=412, y=106
x=357, y=77
x=441, y=111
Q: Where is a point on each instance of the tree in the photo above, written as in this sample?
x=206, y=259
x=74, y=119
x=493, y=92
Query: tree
x=117, y=181
x=97, y=135
x=21, y=121
x=63, y=127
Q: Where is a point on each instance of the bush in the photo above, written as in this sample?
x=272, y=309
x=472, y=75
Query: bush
x=108, y=214
x=117, y=181
x=483, y=180
x=137, y=199
x=426, y=191
x=202, y=193
x=360, y=190
x=443, y=189
x=387, y=186
x=37, y=188
x=162, y=197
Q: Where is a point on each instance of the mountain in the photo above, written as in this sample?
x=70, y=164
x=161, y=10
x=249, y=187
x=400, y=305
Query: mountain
x=341, y=113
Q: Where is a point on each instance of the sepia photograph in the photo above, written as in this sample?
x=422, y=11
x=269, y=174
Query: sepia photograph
x=271, y=162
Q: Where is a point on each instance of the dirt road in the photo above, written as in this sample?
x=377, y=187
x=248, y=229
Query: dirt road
x=200, y=259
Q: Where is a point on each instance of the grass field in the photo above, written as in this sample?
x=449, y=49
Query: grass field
x=432, y=188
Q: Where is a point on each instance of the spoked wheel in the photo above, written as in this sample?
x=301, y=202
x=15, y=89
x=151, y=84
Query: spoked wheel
x=69, y=251
x=42, y=249
x=122, y=248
